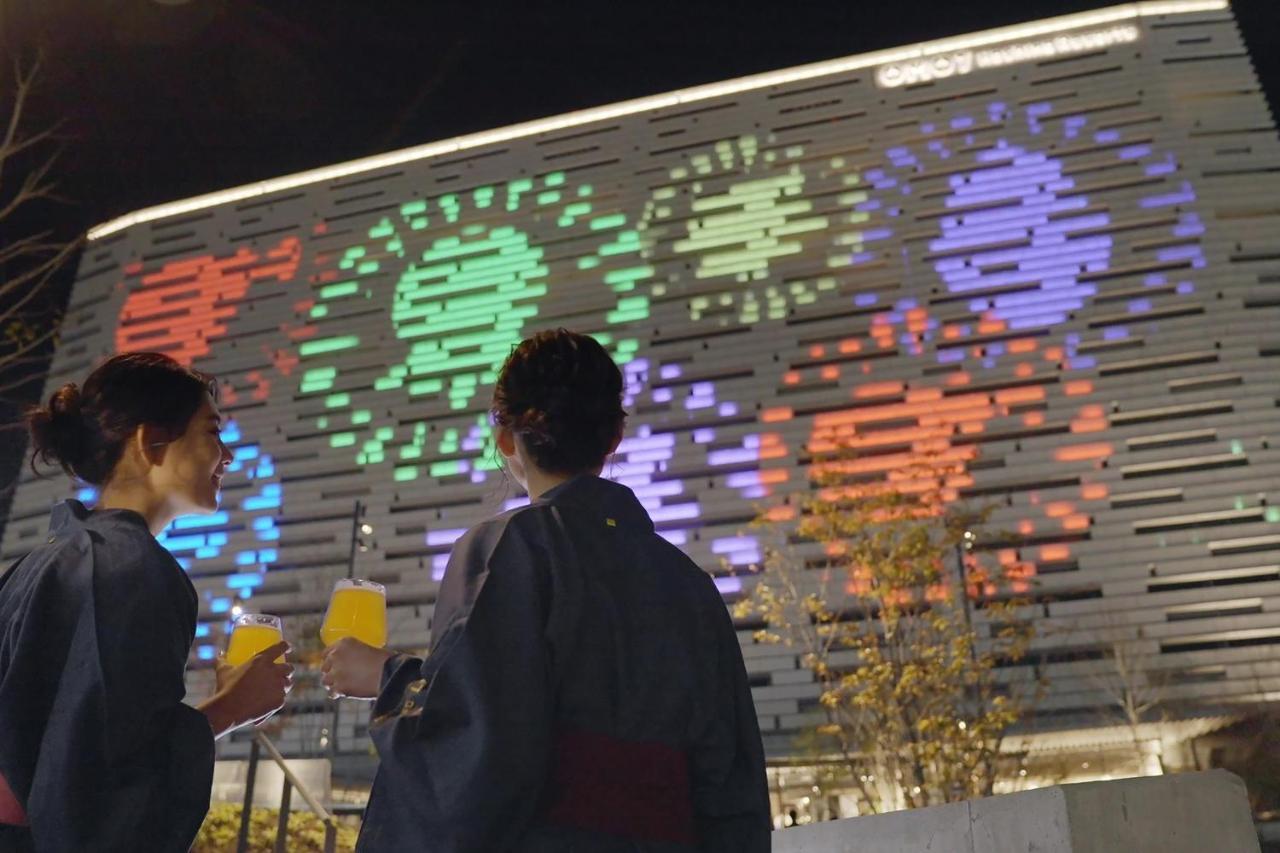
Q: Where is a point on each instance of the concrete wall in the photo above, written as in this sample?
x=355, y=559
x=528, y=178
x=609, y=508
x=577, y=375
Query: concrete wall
x=1184, y=813
x=229, y=779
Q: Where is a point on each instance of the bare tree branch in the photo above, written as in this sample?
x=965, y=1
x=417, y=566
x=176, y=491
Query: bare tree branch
x=37, y=276
x=23, y=82
x=23, y=360
x=20, y=144
x=30, y=245
x=34, y=344
x=34, y=186
x=28, y=323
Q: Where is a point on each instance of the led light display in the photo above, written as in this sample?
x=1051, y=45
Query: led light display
x=1055, y=275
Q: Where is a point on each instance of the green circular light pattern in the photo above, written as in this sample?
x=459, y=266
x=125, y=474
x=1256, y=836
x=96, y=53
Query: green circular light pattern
x=469, y=278
x=741, y=229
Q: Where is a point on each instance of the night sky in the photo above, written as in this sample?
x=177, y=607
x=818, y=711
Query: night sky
x=163, y=99
x=167, y=99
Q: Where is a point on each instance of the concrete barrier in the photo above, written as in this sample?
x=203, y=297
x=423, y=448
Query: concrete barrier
x=1182, y=813
x=229, y=779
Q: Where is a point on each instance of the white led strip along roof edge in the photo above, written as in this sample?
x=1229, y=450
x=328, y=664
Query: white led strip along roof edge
x=1109, y=15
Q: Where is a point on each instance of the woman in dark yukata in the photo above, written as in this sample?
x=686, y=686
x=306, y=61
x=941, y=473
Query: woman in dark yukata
x=97, y=750
x=584, y=690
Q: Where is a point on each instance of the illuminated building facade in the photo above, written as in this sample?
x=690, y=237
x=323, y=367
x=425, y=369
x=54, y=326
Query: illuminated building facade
x=1045, y=253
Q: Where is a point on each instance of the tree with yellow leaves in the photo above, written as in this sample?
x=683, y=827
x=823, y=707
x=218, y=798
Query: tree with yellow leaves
x=906, y=629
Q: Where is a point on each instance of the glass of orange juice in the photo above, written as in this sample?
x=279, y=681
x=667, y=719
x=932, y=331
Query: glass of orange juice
x=252, y=633
x=357, y=609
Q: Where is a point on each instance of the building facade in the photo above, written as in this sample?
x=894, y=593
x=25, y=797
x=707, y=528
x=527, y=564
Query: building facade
x=1048, y=250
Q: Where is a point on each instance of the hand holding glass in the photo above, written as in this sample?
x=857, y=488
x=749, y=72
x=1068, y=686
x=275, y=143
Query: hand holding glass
x=357, y=609
x=253, y=633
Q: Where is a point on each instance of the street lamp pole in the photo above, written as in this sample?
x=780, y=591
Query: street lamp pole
x=356, y=511
x=962, y=573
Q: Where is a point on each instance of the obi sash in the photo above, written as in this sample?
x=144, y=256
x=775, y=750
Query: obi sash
x=11, y=811
x=634, y=789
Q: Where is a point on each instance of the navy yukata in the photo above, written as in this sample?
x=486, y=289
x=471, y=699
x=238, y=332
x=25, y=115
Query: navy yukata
x=584, y=692
x=96, y=744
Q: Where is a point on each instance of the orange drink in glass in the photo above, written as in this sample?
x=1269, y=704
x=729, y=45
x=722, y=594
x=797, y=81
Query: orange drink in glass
x=252, y=633
x=357, y=609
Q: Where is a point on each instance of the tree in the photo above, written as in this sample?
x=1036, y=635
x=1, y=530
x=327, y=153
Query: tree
x=914, y=699
x=221, y=830
x=30, y=255
x=1133, y=685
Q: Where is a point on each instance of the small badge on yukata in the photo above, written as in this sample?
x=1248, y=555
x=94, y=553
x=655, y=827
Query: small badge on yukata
x=411, y=706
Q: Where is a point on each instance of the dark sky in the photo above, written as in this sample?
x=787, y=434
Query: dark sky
x=167, y=99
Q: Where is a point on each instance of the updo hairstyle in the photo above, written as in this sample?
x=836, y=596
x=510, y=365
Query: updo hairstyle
x=562, y=394
x=84, y=430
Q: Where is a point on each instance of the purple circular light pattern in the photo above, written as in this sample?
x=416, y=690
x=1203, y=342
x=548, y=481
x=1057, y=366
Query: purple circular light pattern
x=1039, y=250
x=1028, y=202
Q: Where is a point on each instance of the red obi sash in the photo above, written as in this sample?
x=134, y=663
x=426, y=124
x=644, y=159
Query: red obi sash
x=634, y=789
x=11, y=811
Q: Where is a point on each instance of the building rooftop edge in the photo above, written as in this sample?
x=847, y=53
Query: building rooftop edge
x=1042, y=27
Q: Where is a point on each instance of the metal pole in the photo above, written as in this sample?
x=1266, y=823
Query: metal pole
x=242, y=843
x=306, y=795
x=333, y=733
x=355, y=535
x=963, y=571
x=290, y=781
x=282, y=825
x=351, y=572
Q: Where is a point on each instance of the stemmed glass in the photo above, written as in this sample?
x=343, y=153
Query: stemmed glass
x=253, y=633
x=357, y=609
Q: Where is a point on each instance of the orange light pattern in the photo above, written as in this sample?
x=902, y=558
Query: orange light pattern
x=1081, y=452
x=938, y=417
x=183, y=306
x=1094, y=491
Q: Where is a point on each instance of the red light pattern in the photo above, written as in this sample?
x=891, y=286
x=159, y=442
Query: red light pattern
x=925, y=448
x=180, y=308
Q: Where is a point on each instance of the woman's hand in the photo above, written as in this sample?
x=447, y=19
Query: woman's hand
x=353, y=669
x=250, y=692
x=221, y=672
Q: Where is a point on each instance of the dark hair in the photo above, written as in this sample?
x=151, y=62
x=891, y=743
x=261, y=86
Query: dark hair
x=562, y=394
x=85, y=429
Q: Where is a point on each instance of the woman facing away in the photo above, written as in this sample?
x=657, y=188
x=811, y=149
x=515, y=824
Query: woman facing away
x=584, y=690
x=97, y=749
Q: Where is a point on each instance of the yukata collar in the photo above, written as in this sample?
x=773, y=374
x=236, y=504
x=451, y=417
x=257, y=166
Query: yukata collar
x=614, y=501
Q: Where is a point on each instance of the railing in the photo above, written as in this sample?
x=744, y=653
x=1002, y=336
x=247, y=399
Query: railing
x=260, y=743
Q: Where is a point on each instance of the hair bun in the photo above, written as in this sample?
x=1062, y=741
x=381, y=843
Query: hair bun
x=65, y=402
x=562, y=393
x=57, y=429
x=538, y=426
